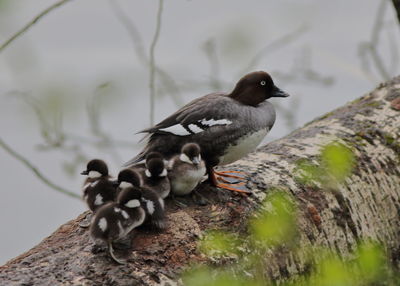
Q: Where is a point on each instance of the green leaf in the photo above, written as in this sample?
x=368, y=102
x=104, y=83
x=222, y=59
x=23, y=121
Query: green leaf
x=371, y=261
x=308, y=173
x=218, y=243
x=276, y=223
x=333, y=272
x=205, y=276
x=338, y=160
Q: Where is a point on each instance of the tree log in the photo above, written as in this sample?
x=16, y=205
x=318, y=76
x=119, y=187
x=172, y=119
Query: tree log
x=366, y=206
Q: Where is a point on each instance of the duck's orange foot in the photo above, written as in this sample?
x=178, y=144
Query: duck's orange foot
x=240, y=188
x=217, y=180
x=229, y=173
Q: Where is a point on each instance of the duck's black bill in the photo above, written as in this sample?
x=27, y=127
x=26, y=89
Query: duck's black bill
x=84, y=172
x=277, y=92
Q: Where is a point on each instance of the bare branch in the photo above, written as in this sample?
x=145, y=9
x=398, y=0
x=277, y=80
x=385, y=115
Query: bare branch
x=168, y=83
x=133, y=32
x=93, y=112
x=36, y=171
x=376, y=31
x=32, y=22
x=152, y=62
x=276, y=44
x=210, y=50
x=393, y=51
x=371, y=47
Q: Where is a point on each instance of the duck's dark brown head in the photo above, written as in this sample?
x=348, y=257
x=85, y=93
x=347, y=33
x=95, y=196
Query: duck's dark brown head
x=256, y=87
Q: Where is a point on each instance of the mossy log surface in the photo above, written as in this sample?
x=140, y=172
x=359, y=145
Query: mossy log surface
x=366, y=206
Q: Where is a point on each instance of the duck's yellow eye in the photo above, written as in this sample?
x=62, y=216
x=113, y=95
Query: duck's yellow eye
x=263, y=82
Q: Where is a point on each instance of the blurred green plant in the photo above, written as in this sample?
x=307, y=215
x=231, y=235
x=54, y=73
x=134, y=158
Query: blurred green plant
x=217, y=244
x=273, y=231
x=276, y=223
x=334, y=164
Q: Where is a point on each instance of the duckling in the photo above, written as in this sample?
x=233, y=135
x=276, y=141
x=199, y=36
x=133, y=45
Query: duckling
x=155, y=177
x=151, y=201
x=186, y=170
x=98, y=188
x=115, y=220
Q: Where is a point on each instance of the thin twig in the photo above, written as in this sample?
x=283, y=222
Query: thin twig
x=169, y=84
x=152, y=62
x=93, y=112
x=394, y=52
x=376, y=31
x=276, y=44
x=36, y=171
x=210, y=50
x=130, y=27
x=32, y=22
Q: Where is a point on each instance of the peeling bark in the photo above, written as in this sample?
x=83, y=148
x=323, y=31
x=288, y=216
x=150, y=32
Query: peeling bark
x=366, y=206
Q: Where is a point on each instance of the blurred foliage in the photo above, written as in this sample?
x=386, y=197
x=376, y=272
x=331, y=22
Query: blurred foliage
x=331, y=168
x=273, y=232
x=275, y=224
x=217, y=244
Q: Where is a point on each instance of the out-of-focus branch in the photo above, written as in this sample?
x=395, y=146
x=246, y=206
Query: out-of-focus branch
x=303, y=72
x=32, y=22
x=153, y=63
x=56, y=138
x=168, y=83
x=36, y=171
x=375, y=37
x=396, y=5
x=275, y=45
x=93, y=113
x=133, y=32
x=210, y=50
x=371, y=47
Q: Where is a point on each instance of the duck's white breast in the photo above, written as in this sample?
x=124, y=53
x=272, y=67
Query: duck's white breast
x=243, y=146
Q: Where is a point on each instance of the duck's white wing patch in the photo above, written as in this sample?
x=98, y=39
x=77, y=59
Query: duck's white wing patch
x=212, y=122
x=98, y=200
x=125, y=214
x=150, y=206
x=194, y=128
x=102, y=224
x=176, y=129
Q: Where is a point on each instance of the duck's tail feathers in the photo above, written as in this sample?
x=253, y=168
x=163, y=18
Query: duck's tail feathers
x=135, y=160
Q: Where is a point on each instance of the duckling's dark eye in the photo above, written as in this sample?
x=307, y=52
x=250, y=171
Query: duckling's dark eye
x=263, y=82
